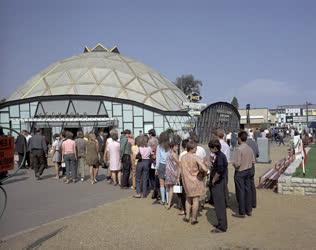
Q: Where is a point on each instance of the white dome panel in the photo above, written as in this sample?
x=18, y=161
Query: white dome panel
x=104, y=74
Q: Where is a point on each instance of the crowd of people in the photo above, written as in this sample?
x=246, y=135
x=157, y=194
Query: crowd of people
x=172, y=169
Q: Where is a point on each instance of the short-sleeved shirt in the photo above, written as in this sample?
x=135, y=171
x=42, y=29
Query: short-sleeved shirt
x=200, y=152
x=243, y=158
x=69, y=146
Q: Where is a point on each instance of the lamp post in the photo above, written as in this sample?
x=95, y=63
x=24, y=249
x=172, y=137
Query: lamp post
x=248, y=116
x=307, y=104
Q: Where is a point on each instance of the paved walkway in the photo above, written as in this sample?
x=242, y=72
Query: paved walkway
x=279, y=222
x=32, y=203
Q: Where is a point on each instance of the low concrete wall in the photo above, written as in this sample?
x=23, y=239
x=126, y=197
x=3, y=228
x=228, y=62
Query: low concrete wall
x=296, y=186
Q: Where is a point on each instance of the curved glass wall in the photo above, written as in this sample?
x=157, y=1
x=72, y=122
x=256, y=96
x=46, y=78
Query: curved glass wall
x=137, y=119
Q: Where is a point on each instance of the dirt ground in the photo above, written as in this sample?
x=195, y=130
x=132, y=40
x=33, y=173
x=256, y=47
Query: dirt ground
x=279, y=222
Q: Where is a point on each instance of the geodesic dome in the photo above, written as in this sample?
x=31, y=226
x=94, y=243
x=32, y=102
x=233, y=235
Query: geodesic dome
x=104, y=72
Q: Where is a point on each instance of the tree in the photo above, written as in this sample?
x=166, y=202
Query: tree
x=188, y=84
x=235, y=102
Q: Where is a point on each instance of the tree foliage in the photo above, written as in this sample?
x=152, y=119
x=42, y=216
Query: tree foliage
x=235, y=102
x=188, y=84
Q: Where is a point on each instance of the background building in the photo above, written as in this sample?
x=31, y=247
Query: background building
x=99, y=88
x=296, y=115
x=259, y=117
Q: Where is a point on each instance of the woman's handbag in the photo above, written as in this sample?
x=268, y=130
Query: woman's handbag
x=139, y=156
x=177, y=189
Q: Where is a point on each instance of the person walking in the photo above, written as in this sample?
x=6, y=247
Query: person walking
x=57, y=154
x=28, y=155
x=125, y=156
x=39, y=151
x=21, y=148
x=243, y=161
x=172, y=171
x=113, y=156
x=92, y=157
x=143, y=166
x=81, y=153
x=106, y=162
x=218, y=185
x=69, y=155
x=101, y=142
x=193, y=171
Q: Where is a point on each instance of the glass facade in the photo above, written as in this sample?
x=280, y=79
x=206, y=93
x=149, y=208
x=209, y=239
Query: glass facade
x=134, y=117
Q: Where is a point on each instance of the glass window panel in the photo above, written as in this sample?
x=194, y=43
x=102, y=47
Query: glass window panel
x=14, y=111
x=55, y=107
x=148, y=116
x=33, y=108
x=4, y=117
x=148, y=126
x=137, y=131
x=24, y=126
x=120, y=121
x=109, y=113
x=128, y=116
x=88, y=107
x=159, y=131
x=159, y=121
x=128, y=125
x=24, y=107
x=108, y=105
x=137, y=111
x=138, y=121
x=117, y=110
x=127, y=107
x=5, y=109
x=25, y=114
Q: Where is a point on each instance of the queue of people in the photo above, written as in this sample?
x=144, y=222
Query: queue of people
x=154, y=164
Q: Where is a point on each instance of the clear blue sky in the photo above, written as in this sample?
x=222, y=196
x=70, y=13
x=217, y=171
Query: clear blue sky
x=261, y=51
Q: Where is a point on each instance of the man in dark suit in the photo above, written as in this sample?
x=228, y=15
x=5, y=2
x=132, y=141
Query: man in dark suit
x=218, y=185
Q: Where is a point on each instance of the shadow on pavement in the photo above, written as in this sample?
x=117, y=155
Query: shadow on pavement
x=211, y=216
x=232, y=203
x=9, y=181
x=48, y=176
x=41, y=240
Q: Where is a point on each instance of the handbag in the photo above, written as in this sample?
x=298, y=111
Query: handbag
x=139, y=156
x=177, y=189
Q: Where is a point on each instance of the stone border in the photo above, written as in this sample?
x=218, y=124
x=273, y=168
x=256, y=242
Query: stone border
x=296, y=186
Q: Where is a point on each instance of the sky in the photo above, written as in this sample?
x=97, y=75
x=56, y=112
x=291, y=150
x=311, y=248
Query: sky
x=262, y=52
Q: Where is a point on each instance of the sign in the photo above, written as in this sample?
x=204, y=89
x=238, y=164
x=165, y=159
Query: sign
x=195, y=105
x=194, y=97
x=6, y=153
x=289, y=119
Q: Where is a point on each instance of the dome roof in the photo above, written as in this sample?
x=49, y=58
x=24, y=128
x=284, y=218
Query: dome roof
x=104, y=72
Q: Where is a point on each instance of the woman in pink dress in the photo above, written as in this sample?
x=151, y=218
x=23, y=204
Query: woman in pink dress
x=113, y=154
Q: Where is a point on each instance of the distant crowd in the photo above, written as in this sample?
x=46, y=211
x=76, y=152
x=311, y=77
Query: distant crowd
x=169, y=167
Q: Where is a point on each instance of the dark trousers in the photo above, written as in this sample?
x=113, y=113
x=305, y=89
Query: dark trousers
x=182, y=196
x=71, y=166
x=152, y=173
x=226, y=188
x=28, y=159
x=243, y=191
x=218, y=193
x=253, y=188
x=126, y=169
x=38, y=161
x=142, y=176
x=21, y=155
